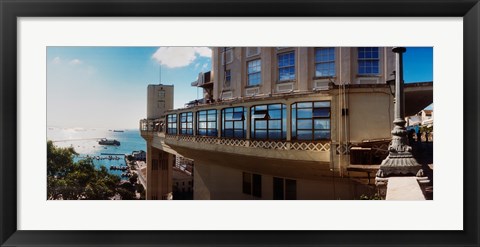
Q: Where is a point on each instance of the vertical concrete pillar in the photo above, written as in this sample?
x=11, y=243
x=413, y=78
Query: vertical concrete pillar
x=302, y=69
x=159, y=174
x=219, y=123
x=152, y=167
x=249, y=122
x=267, y=83
x=289, y=121
x=194, y=123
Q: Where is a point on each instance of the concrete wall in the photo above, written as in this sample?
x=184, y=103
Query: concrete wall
x=158, y=103
x=218, y=182
x=346, y=67
x=159, y=174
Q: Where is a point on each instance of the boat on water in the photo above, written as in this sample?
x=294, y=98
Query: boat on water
x=118, y=131
x=105, y=141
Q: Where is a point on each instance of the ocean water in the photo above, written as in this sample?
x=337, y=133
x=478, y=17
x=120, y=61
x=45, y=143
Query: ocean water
x=85, y=142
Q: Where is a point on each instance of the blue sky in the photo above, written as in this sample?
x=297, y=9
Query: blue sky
x=106, y=87
x=418, y=64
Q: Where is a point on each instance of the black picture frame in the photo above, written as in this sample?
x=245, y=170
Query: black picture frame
x=10, y=10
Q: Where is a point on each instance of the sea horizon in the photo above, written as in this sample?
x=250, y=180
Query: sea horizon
x=85, y=143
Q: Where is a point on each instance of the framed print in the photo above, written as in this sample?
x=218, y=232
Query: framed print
x=54, y=51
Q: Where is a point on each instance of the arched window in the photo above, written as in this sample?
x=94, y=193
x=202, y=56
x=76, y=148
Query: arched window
x=207, y=123
x=233, y=122
x=269, y=122
x=311, y=121
x=172, y=124
x=186, y=123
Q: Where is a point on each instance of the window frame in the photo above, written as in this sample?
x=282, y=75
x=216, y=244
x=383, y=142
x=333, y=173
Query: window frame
x=252, y=184
x=360, y=60
x=295, y=118
x=228, y=78
x=234, y=122
x=279, y=68
x=282, y=188
x=172, y=119
x=186, y=122
x=208, y=131
x=318, y=61
x=268, y=120
x=259, y=72
x=161, y=94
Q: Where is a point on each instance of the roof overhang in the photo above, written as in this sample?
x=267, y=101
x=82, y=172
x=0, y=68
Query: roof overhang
x=417, y=97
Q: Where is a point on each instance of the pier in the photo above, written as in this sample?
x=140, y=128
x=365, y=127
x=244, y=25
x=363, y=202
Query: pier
x=83, y=139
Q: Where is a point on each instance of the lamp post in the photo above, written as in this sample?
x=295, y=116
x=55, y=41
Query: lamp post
x=400, y=160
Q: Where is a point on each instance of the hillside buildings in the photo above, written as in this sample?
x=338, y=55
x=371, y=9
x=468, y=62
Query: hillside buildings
x=280, y=123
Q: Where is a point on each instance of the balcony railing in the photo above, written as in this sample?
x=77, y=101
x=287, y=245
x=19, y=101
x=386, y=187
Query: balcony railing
x=265, y=144
x=151, y=125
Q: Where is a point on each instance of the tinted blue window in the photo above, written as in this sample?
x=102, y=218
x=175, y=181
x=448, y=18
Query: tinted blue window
x=261, y=124
x=233, y=122
x=304, y=113
x=321, y=112
x=275, y=124
x=304, y=124
x=368, y=60
x=228, y=125
x=286, y=66
x=274, y=134
x=207, y=122
x=322, y=134
x=309, y=117
x=325, y=62
x=268, y=122
x=275, y=114
x=254, y=72
x=261, y=134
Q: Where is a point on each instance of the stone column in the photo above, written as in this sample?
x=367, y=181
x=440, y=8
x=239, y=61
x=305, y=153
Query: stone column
x=400, y=160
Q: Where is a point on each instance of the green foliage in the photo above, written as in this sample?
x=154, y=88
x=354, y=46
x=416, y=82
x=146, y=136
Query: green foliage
x=80, y=180
x=126, y=191
x=133, y=179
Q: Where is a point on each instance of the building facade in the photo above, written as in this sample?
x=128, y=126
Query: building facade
x=284, y=123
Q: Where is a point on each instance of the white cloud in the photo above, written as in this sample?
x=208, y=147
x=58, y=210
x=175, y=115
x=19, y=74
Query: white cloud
x=203, y=51
x=174, y=57
x=197, y=65
x=56, y=60
x=75, y=62
x=205, y=66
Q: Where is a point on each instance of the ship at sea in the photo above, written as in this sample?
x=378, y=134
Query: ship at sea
x=118, y=131
x=105, y=141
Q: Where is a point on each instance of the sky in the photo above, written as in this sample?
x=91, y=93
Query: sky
x=106, y=87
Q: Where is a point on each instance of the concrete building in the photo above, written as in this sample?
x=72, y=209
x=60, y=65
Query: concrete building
x=139, y=155
x=284, y=123
x=160, y=98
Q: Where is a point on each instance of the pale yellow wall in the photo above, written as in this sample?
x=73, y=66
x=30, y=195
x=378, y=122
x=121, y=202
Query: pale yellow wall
x=218, y=182
x=345, y=64
x=159, y=182
x=370, y=115
x=154, y=108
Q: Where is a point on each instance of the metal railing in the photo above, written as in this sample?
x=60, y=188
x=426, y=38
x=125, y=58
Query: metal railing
x=265, y=144
x=151, y=125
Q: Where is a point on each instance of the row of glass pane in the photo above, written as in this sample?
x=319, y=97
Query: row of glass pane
x=310, y=121
x=368, y=63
